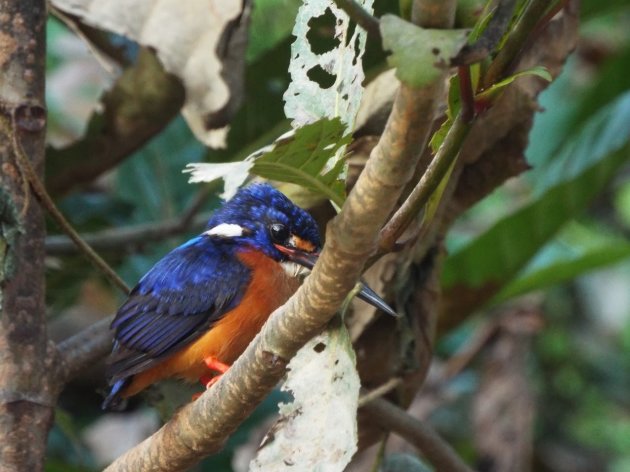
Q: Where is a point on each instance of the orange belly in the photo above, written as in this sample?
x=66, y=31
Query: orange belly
x=270, y=287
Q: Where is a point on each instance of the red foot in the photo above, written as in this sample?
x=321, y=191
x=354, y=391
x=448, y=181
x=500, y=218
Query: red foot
x=208, y=381
x=215, y=364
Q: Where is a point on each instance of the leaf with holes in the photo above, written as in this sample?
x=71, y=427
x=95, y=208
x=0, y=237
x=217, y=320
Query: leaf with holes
x=306, y=100
x=303, y=159
x=419, y=54
x=318, y=430
x=298, y=157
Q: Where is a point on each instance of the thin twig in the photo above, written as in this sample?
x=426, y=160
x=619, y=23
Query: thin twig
x=126, y=237
x=45, y=199
x=514, y=43
x=142, y=233
x=114, y=238
x=379, y=391
x=551, y=13
x=429, y=181
x=490, y=38
x=437, y=451
x=360, y=16
x=467, y=93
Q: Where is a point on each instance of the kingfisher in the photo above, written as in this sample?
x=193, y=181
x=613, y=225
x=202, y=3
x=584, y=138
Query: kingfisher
x=196, y=310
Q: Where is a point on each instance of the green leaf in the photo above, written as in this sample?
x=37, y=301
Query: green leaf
x=454, y=105
x=492, y=91
x=419, y=55
x=603, y=133
x=302, y=159
x=495, y=257
x=562, y=270
x=603, y=88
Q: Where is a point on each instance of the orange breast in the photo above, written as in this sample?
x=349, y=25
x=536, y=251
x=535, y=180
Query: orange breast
x=270, y=287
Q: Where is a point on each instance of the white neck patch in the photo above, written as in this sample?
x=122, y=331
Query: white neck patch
x=226, y=230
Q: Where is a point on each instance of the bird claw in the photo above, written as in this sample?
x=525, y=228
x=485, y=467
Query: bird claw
x=207, y=382
x=215, y=364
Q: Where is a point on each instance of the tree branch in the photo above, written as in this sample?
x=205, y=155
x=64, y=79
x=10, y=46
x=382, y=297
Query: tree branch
x=28, y=390
x=515, y=42
x=141, y=103
x=431, y=445
x=360, y=16
x=40, y=191
x=131, y=235
x=82, y=350
x=429, y=181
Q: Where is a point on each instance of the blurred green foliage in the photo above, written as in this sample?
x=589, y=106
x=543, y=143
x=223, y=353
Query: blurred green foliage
x=544, y=232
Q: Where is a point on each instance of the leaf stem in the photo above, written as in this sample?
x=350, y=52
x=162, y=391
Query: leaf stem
x=491, y=36
x=514, y=43
x=467, y=94
x=379, y=391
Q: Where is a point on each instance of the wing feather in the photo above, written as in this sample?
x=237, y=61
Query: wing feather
x=179, y=299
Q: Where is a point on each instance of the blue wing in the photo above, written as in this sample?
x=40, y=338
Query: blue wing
x=179, y=299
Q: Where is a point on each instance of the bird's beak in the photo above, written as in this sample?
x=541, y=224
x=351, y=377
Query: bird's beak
x=308, y=260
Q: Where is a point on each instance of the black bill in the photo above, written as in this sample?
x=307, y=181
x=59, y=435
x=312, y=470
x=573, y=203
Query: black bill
x=308, y=260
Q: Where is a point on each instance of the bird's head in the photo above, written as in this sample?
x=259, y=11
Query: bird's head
x=262, y=218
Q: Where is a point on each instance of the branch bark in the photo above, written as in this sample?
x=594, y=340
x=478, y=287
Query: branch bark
x=126, y=237
x=27, y=392
x=433, y=447
x=201, y=427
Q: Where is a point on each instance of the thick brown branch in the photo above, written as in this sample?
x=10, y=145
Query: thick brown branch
x=201, y=427
x=142, y=102
x=84, y=349
x=431, y=445
x=27, y=360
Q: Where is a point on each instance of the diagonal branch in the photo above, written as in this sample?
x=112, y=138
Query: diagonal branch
x=142, y=102
x=364, y=19
x=421, y=435
x=40, y=191
x=201, y=427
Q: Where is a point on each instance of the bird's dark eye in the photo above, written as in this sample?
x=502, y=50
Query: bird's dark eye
x=279, y=233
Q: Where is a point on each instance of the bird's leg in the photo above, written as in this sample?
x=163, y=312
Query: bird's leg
x=215, y=365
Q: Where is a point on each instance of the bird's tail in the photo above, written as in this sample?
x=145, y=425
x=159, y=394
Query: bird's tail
x=113, y=401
